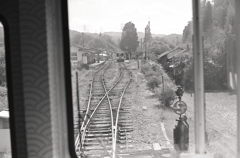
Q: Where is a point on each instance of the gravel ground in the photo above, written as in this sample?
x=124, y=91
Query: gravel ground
x=147, y=117
x=221, y=123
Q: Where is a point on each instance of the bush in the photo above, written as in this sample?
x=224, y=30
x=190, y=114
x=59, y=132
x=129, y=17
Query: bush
x=145, y=68
x=167, y=96
x=81, y=66
x=85, y=66
x=150, y=73
x=2, y=69
x=153, y=82
x=155, y=67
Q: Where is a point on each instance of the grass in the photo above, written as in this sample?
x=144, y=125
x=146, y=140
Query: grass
x=221, y=123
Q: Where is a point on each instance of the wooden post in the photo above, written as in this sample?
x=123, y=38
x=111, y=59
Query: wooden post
x=163, y=89
x=78, y=106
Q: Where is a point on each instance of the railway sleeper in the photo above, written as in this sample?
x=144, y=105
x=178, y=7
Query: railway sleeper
x=99, y=147
x=101, y=114
x=96, y=143
x=98, y=93
x=125, y=110
x=124, y=141
x=123, y=133
x=125, y=121
x=125, y=107
x=122, y=137
x=99, y=132
x=125, y=146
x=103, y=111
x=125, y=117
x=125, y=124
x=100, y=108
x=98, y=135
x=101, y=119
x=125, y=129
x=99, y=154
x=100, y=125
x=108, y=139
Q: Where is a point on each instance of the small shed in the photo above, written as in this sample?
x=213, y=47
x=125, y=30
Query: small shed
x=4, y=131
x=165, y=57
x=82, y=55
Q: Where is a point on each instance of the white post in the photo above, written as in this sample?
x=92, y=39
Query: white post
x=199, y=98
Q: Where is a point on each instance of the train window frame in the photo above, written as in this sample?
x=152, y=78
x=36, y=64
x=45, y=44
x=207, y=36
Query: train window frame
x=10, y=122
x=58, y=11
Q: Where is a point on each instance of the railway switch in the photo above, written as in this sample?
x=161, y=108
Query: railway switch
x=181, y=130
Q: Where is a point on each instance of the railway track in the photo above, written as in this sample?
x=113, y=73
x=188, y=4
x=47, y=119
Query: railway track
x=106, y=125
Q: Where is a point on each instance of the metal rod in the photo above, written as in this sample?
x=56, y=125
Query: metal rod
x=199, y=98
x=237, y=25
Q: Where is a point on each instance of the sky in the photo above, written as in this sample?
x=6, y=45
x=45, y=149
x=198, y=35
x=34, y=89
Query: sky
x=95, y=16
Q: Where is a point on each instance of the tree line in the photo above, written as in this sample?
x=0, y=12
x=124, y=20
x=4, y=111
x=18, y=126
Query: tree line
x=218, y=28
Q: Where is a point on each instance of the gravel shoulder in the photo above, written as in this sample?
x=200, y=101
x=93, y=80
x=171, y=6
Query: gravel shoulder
x=147, y=117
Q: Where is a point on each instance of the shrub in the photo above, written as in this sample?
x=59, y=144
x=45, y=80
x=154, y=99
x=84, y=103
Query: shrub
x=151, y=73
x=155, y=67
x=167, y=96
x=86, y=66
x=145, y=68
x=2, y=69
x=153, y=82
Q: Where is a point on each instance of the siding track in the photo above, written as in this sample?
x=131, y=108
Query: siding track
x=106, y=124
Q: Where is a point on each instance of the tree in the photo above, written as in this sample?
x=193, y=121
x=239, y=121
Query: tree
x=207, y=19
x=148, y=35
x=129, y=40
x=208, y=22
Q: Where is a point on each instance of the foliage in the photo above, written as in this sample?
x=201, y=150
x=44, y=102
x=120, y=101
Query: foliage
x=167, y=95
x=129, y=40
x=145, y=68
x=187, y=32
x=148, y=35
x=2, y=68
x=153, y=73
x=153, y=82
x=218, y=29
x=207, y=18
x=157, y=47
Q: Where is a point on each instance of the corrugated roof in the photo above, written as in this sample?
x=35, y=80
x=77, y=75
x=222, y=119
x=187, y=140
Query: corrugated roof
x=90, y=50
x=172, y=53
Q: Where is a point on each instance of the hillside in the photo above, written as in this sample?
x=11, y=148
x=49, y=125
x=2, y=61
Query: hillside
x=174, y=39
x=116, y=36
x=93, y=40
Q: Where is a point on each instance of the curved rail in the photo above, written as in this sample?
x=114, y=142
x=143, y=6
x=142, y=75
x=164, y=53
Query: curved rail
x=118, y=112
x=97, y=106
x=114, y=123
x=88, y=106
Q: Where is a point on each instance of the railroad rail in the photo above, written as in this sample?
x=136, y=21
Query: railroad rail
x=105, y=124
